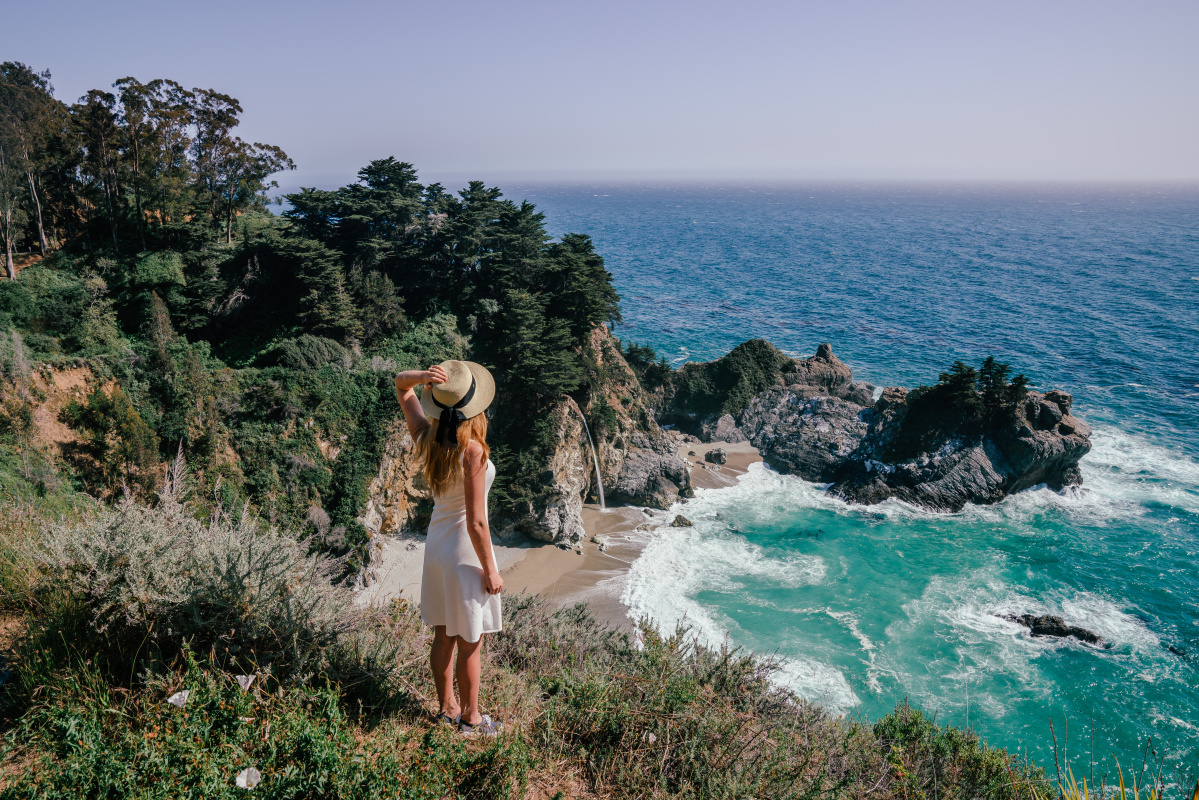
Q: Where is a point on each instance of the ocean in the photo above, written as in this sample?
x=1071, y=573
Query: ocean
x=1092, y=290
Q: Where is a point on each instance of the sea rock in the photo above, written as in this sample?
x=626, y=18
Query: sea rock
x=717, y=455
x=681, y=522
x=819, y=423
x=809, y=424
x=1048, y=625
x=1011, y=455
x=724, y=429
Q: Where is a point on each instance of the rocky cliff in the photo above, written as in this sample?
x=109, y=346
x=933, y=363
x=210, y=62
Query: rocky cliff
x=817, y=422
x=638, y=460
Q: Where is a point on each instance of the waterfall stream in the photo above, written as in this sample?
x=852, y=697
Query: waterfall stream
x=599, y=482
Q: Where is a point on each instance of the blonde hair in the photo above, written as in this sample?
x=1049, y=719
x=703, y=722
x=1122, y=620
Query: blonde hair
x=443, y=465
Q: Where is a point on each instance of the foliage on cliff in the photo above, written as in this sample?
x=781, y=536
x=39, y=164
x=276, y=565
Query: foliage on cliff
x=964, y=402
x=726, y=385
x=262, y=347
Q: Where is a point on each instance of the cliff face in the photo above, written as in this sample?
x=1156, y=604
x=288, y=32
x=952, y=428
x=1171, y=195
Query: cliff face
x=638, y=459
x=817, y=422
x=398, y=499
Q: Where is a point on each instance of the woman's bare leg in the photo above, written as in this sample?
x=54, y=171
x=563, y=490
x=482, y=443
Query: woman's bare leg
x=468, y=671
x=440, y=659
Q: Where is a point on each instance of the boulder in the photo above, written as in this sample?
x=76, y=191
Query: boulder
x=717, y=455
x=681, y=522
x=1048, y=625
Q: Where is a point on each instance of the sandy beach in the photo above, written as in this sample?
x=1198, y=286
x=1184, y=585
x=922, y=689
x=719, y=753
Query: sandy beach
x=593, y=571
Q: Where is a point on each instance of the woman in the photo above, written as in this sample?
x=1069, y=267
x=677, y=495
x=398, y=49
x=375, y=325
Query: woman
x=460, y=589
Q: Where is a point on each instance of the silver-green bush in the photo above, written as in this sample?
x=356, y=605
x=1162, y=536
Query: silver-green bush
x=249, y=595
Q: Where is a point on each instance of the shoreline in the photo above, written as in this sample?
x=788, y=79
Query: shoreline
x=582, y=573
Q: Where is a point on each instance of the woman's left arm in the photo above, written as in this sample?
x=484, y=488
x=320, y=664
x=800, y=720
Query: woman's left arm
x=475, y=485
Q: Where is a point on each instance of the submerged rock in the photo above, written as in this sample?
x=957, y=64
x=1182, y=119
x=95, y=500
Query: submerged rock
x=1048, y=625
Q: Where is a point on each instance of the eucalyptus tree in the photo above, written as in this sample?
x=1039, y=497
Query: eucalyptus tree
x=27, y=112
x=231, y=173
x=11, y=212
x=95, y=117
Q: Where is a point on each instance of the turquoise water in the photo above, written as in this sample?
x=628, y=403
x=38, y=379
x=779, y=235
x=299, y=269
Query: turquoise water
x=1091, y=290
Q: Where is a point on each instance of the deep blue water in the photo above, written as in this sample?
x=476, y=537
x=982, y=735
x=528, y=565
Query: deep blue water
x=1088, y=289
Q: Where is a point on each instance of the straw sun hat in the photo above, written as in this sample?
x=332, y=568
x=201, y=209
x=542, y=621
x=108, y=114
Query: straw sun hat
x=467, y=392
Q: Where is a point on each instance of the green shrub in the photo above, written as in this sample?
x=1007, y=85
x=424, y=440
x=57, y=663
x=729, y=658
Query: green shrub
x=307, y=353
x=87, y=741
x=948, y=762
x=964, y=402
x=160, y=268
x=651, y=370
x=726, y=385
x=119, y=445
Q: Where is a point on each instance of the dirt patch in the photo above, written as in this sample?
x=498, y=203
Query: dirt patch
x=11, y=626
x=23, y=260
x=59, y=388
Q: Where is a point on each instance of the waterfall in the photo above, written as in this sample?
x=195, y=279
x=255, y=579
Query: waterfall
x=599, y=482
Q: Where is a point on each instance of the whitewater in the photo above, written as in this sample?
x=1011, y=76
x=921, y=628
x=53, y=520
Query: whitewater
x=1092, y=290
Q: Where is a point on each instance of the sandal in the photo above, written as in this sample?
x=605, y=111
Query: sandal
x=486, y=728
x=446, y=719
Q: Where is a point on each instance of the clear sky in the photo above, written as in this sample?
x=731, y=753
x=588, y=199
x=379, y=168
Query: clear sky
x=1010, y=90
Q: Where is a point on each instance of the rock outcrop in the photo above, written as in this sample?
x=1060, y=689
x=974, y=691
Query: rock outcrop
x=1048, y=625
x=638, y=459
x=398, y=499
x=556, y=514
x=819, y=423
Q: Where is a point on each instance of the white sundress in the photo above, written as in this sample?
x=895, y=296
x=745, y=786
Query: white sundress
x=451, y=590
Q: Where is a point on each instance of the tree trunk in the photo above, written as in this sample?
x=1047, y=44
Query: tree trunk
x=10, y=268
x=137, y=192
x=112, y=220
x=229, y=220
x=37, y=204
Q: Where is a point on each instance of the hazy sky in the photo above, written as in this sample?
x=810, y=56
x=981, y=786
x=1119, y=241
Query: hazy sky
x=963, y=90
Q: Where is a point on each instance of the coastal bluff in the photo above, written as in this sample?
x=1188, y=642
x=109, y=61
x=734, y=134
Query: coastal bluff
x=809, y=417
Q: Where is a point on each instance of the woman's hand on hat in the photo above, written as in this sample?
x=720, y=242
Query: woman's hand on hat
x=415, y=377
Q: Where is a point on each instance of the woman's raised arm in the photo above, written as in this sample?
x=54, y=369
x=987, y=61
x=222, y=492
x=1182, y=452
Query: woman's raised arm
x=405, y=382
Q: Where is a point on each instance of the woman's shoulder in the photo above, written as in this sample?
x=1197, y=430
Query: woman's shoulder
x=473, y=456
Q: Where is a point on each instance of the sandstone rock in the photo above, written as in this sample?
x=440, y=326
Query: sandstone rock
x=398, y=499
x=556, y=514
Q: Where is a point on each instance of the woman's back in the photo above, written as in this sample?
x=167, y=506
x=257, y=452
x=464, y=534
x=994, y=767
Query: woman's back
x=452, y=592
